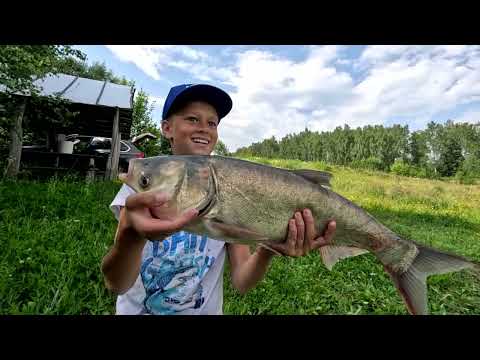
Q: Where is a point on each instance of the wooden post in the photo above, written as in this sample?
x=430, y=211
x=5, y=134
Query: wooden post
x=91, y=171
x=112, y=163
x=116, y=157
x=16, y=142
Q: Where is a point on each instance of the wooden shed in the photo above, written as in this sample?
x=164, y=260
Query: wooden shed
x=104, y=110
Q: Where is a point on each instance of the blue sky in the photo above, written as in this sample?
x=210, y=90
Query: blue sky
x=278, y=90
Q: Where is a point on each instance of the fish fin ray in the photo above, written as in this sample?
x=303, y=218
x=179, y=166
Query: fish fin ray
x=315, y=176
x=331, y=254
x=269, y=248
x=412, y=284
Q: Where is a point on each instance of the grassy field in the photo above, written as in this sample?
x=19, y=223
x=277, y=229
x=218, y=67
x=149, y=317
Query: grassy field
x=54, y=235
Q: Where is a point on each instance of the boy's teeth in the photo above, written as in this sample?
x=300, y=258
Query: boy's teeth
x=201, y=141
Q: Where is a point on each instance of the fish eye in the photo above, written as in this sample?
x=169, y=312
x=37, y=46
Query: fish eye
x=144, y=180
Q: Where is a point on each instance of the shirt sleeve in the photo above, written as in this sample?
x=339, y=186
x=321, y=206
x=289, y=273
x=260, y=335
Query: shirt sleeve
x=120, y=199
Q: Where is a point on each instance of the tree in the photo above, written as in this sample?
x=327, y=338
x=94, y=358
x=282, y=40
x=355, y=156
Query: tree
x=74, y=67
x=95, y=71
x=417, y=148
x=20, y=66
x=143, y=122
x=393, y=144
x=433, y=135
x=450, y=158
x=469, y=170
x=221, y=149
x=426, y=153
x=99, y=71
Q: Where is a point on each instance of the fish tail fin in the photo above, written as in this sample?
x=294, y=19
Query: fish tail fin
x=412, y=283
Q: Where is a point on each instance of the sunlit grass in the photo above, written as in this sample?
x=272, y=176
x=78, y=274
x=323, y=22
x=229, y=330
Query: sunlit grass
x=442, y=214
x=54, y=235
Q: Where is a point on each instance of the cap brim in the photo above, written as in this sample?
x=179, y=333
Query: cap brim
x=212, y=95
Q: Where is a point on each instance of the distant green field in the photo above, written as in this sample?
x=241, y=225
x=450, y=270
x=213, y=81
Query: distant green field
x=54, y=235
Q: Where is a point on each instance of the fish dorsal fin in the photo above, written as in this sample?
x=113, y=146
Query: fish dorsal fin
x=315, y=176
x=332, y=254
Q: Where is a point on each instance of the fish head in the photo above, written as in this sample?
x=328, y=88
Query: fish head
x=187, y=180
x=158, y=173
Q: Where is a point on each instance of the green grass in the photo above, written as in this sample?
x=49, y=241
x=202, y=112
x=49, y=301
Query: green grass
x=440, y=214
x=54, y=235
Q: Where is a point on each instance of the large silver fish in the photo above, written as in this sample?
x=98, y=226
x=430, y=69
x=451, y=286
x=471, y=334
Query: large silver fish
x=244, y=202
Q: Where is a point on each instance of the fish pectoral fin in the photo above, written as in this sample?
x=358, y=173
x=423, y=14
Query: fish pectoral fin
x=269, y=248
x=331, y=254
x=233, y=231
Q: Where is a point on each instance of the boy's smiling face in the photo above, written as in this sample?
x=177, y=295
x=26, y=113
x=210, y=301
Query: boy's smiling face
x=192, y=130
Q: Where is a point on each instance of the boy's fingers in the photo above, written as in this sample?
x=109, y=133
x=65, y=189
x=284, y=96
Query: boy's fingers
x=300, y=230
x=332, y=226
x=287, y=248
x=146, y=200
x=327, y=236
x=292, y=234
x=185, y=218
x=309, y=229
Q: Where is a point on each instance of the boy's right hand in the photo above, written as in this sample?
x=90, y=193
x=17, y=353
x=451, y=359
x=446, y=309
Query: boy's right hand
x=139, y=215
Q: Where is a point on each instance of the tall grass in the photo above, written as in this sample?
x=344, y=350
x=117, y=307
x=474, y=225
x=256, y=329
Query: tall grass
x=53, y=236
x=445, y=215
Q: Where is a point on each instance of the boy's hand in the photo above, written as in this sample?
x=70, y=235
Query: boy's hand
x=147, y=215
x=302, y=238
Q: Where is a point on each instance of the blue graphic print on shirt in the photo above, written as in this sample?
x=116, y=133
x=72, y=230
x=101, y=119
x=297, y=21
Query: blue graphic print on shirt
x=172, y=272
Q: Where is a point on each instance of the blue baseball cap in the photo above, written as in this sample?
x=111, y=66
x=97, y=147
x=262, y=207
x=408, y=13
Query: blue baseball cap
x=212, y=95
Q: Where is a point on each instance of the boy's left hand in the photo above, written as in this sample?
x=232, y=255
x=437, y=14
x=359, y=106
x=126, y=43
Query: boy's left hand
x=302, y=237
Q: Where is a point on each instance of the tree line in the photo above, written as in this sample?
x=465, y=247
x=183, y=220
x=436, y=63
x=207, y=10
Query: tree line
x=440, y=150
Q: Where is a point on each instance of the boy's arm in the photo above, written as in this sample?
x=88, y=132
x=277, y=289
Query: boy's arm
x=121, y=265
x=248, y=269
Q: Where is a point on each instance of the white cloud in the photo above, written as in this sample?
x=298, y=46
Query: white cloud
x=157, y=101
x=276, y=95
x=380, y=53
x=204, y=71
x=152, y=59
x=421, y=81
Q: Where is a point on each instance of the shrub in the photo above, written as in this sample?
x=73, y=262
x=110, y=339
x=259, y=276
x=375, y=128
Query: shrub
x=400, y=167
x=469, y=171
x=371, y=163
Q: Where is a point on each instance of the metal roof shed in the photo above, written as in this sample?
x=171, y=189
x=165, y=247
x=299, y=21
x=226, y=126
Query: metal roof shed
x=105, y=109
x=95, y=100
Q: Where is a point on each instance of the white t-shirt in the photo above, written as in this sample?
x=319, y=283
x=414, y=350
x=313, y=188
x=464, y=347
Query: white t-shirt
x=182, y=274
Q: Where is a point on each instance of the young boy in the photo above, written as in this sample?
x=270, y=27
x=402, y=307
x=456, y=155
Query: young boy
x=178, y=272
